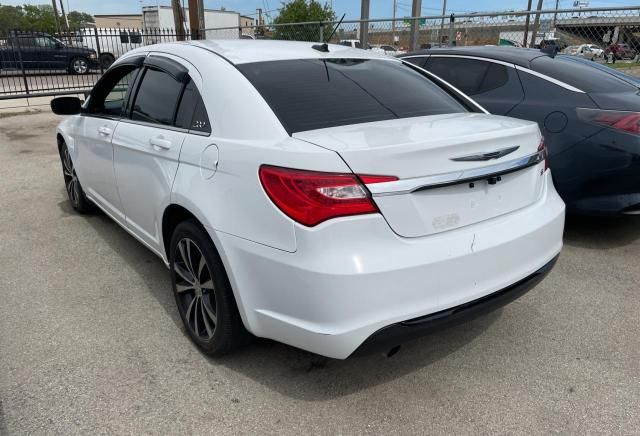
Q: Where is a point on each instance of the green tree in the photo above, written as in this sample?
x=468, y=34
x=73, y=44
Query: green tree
x=39, y=18
x=77, y=19
x=11, y=17
x=297, y=11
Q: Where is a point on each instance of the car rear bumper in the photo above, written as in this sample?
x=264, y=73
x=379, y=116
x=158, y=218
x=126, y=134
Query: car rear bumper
x=351, y=277
x=395, y=334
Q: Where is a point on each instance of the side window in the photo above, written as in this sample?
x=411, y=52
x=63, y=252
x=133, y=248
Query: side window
x=419, y=61
x=465, y=74
x=157, y=98
x=109, y=97
x=192, y=114
x=124, y=37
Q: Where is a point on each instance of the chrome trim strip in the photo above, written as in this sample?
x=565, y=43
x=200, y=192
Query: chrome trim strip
x=407, y=186
x=517, y=67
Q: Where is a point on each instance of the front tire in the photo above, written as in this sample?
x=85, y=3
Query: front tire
x=106, y=60
x=203, y=293
x=79, y=66
x=77, y=197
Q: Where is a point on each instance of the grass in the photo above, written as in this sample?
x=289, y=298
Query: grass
x=622, y=65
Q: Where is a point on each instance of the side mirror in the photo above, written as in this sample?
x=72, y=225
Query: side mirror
x=59, y=44
x=66, y=105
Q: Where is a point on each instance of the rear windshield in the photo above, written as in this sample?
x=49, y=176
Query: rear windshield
x=308, y=94
x=580, y=74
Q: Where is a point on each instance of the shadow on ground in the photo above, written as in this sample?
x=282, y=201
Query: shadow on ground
x=287, y=370
x=601, y=232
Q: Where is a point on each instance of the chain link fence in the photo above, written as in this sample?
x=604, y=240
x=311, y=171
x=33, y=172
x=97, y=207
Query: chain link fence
x=40, y=63
x=568, y=29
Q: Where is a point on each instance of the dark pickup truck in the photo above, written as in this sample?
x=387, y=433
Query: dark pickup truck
x=37, y=50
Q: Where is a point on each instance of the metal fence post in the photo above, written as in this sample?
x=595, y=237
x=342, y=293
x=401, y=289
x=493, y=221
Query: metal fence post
x=364, y=24
x=24, y=74
x=321, y=31
x=452, y=22
x=98, y=51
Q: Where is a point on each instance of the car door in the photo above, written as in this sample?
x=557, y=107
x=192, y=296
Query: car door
x=94, y=133
x=494, y=85
x=147, y=147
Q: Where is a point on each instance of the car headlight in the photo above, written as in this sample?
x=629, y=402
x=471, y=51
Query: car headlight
x=92, y=56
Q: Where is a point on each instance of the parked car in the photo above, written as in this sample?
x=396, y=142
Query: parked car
x=388, y=49
x=589, y=115
x=110, y=44
x=276, y=192
x=37, y=50
x=621, y=51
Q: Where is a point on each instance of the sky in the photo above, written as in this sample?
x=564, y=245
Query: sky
x=378, y=9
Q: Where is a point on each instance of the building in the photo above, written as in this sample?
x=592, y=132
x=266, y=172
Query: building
x=246, y=24
x=161, y=17
x=119, y=20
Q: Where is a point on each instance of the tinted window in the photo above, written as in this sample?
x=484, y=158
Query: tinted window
x=309, y=94
x=124, y=37
x=136, y=37
x=419, y=61
x=109, y=97
x=192, y=114
x=157, y=98
x=579, y=74
x=471, y=76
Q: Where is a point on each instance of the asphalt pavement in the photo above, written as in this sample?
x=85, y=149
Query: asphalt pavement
x=91, y=342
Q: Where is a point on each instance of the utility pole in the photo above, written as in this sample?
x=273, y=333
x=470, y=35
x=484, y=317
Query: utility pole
x=364, y=24
x=194, y=19
x=201, y=23
x=393, y=25
x=536, y=23
x=178, y=19
x=444, y=12
x=416, y=11
x=64, y=18
x=526, y=26
x=555, y=14
x=55, y=15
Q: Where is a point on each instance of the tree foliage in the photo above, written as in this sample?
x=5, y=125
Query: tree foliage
x=297, y=11
x=40, y=17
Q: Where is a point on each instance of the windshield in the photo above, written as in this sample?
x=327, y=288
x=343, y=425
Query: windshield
x=307, y=94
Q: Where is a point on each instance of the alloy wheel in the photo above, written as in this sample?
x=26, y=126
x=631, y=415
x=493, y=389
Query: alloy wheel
x=70, y=177
x=80, y=66
x=195, y=290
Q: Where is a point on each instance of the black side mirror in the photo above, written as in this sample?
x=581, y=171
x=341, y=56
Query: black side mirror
x=66, y=105
x=59, y=44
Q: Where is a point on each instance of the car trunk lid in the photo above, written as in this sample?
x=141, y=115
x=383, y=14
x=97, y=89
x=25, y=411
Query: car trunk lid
x=454, y=170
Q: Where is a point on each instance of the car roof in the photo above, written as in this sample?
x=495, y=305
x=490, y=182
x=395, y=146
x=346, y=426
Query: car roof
x=241, y=51
x=513, y=55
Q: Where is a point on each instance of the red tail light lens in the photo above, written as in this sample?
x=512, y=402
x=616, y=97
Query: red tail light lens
x=543, y=148
x=620, y=120
x=311, y=197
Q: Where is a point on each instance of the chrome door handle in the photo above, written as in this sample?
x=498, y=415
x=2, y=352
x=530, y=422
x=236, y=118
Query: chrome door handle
x=160, y=142
x=104, y=130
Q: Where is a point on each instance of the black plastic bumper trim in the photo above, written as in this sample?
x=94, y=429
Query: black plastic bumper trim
x=395, y=334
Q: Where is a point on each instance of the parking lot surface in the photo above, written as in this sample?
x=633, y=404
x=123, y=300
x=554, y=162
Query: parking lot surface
x=91, y=341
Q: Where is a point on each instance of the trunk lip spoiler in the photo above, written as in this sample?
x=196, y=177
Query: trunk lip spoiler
x=407, y=186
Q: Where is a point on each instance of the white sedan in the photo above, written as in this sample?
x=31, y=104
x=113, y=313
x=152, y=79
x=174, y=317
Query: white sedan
x=330, y=198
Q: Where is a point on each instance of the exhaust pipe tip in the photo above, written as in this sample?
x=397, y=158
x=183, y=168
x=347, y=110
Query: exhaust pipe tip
x=392, y=352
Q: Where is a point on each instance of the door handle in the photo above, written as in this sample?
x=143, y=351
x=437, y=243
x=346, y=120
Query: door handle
x=160, y=142
x=104, y=130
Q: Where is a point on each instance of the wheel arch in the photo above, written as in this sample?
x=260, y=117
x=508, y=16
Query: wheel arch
x=173, y=215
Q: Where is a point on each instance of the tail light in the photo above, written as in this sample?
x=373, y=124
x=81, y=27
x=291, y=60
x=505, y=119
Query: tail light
x=543, y=148
x=620, y=120
x=311, y=197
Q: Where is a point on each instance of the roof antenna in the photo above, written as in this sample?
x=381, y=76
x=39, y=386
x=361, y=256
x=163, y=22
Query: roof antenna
x=324, y=47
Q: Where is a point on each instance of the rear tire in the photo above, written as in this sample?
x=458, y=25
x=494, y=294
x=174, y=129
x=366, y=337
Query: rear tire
x=203, y=293
x=106, y=60
x=77, y=197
